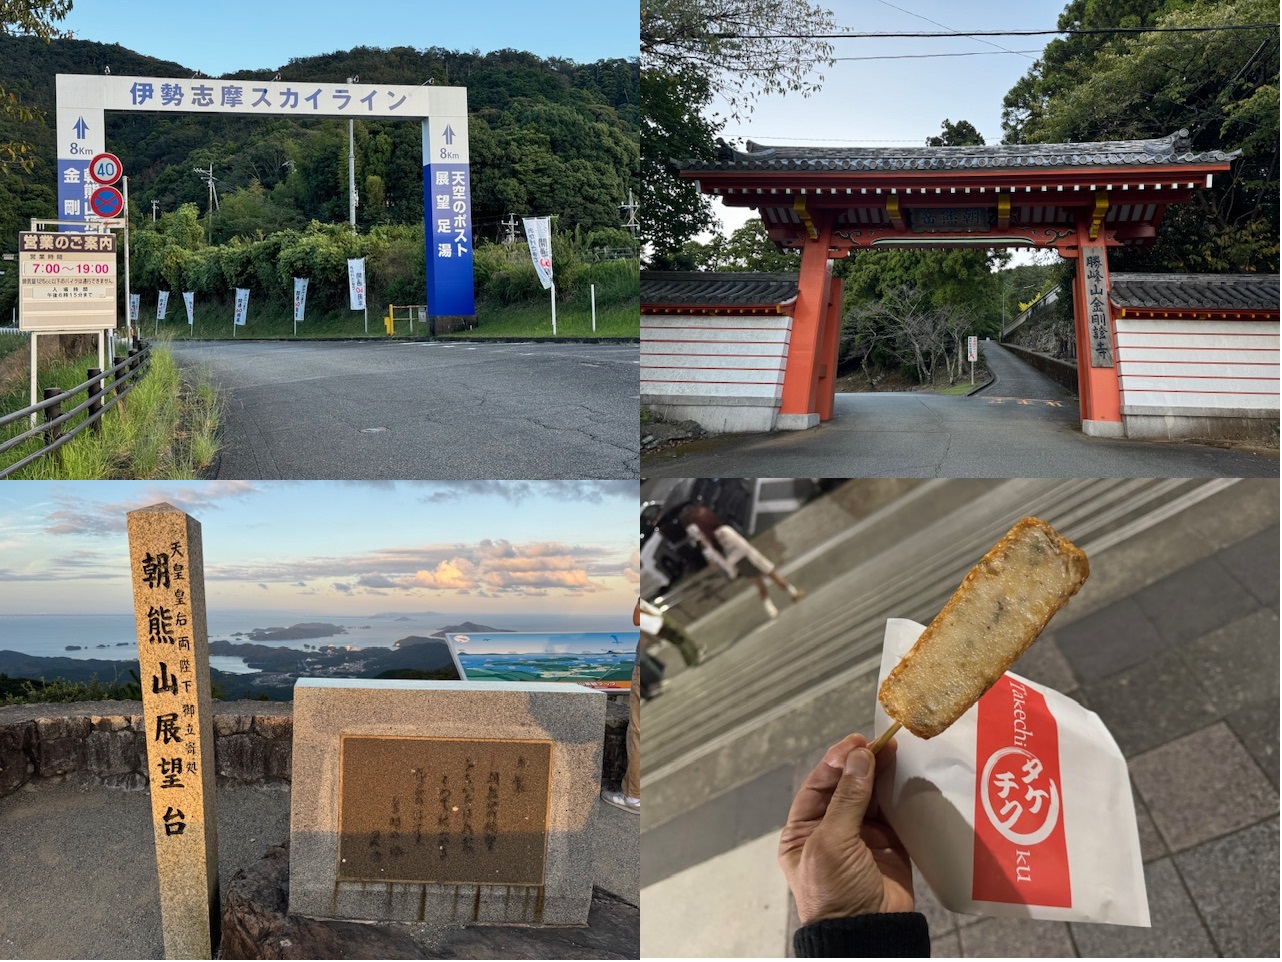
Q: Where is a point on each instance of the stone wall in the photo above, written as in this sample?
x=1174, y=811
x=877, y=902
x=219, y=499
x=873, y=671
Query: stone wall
x=104, y=743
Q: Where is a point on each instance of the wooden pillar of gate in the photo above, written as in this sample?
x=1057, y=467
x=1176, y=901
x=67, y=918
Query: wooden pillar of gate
x=805, y=347
x=1099, y=388
x=826, y=382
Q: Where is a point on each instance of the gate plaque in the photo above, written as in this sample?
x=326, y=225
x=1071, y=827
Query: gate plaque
x=443, y=810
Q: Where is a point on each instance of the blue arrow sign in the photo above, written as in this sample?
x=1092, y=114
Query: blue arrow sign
x=81, y=128
x=449, y=134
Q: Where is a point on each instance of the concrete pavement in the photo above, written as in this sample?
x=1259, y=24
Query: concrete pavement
x=1173, y=642
x=78, y=865
x=423, y=409
x=1022, y=426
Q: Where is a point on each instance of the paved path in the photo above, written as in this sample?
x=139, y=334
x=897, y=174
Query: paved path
x=1017, y=379
x=1173, y=642
x=78, y=864
x=424, y=410
x=1023, y=426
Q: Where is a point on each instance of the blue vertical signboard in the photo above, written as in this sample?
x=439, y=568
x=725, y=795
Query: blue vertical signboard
x=447, y=217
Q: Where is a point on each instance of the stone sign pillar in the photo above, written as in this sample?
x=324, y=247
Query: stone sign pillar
x=173, y=658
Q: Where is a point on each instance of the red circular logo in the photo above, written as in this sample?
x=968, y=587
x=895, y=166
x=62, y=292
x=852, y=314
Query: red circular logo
x=105, y=168
x=1019, y=798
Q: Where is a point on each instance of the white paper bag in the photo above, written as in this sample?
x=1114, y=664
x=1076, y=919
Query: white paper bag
x=1052, y=835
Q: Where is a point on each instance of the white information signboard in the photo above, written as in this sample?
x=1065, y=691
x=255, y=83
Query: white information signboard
x=67, y=282
x=972, y=348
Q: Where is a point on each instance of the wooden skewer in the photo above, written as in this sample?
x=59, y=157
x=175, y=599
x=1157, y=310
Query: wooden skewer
x=884, y=737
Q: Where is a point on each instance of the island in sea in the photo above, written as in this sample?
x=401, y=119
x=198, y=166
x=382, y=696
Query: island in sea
x=275, y=669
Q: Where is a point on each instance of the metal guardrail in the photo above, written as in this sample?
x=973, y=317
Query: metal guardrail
x=101, y=396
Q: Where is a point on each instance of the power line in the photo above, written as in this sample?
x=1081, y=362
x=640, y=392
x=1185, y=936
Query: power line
x=987, y=33
x=887, y=3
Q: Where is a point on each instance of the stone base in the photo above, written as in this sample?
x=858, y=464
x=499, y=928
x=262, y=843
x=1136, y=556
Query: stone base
x=796, y=422
x=451, y=323
x=1103, y=429
x=1203, y=425
x=717, y=415
x=256, y=925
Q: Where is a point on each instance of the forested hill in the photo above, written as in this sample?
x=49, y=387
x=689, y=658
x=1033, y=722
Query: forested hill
x=547, y=136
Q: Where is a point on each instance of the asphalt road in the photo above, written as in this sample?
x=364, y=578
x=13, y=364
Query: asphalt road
x=424, y=409
x=1023, y=426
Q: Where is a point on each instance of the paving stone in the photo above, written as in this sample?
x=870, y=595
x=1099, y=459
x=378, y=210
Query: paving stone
x=1237, y=665
x=1108, y=641
x=1151, y=845
x=945, y=947
x=1176, y=930
x=1194, y=601
x=1254, y=562
x=1234, y=881
x=1150, y=704
x=1202, y=786
x=1016, y=939
x=1045, y=664
x=938, y=918
x=1257, y=728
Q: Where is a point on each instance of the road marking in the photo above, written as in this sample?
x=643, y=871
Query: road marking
x=372, y=430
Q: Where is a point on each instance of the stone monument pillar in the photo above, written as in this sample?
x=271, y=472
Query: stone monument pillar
x=173, y=658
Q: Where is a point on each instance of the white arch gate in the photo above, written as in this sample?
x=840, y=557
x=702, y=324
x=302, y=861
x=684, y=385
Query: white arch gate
x=83, y=101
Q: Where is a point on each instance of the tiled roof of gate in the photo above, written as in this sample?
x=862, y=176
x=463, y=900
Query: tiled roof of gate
x=1215, y=292
x=1175, y=149
x=717, y=287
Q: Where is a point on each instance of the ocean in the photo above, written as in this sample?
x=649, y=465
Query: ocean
x=112, y=636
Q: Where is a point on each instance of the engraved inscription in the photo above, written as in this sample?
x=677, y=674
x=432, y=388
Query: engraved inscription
x=447, y=810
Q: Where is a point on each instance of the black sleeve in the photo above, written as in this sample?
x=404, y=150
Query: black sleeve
x=893, y=935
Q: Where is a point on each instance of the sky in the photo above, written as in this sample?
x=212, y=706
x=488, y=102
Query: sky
x=471, y=548
x=871, y=103
x=228, y=35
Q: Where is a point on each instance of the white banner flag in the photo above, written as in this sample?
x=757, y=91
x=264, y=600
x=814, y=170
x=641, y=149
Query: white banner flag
x=356, y=282
x=189, y=302
x=300, y=297
x=134, y=300
x=162, y=304
x=242, y=305
x=538, y=231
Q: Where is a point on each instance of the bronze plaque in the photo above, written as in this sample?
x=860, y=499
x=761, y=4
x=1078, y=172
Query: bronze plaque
x=451, y=810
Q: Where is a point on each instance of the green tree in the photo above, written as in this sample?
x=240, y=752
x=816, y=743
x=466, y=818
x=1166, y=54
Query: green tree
x=693, y=51
x=1220, y=86
x=734, y=45
x=36, y=18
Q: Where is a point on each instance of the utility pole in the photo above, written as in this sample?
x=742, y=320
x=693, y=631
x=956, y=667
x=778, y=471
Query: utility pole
x=351, y=165
x=154, y=205
x=631, y=207
x=510, y=224
x=213, y=200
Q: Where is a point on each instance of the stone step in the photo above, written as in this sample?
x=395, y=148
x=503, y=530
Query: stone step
x=902, y=560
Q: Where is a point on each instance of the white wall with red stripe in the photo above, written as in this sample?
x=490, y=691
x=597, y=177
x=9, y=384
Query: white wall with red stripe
x=725, y=371
x=1202, y=369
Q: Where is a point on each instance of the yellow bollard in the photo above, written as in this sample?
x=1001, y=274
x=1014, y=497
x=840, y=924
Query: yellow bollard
x=387, y=323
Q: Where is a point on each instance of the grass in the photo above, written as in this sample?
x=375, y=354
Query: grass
x=572, y=320
x=10, y=342
x=618, y=315
x=164, y=429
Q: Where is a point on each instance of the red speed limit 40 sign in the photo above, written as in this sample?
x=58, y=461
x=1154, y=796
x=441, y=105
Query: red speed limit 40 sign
x=105, y=169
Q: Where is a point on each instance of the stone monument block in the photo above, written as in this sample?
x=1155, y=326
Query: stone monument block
x=448, y=802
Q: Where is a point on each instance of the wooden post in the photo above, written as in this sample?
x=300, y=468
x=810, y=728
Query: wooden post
x=173, y=657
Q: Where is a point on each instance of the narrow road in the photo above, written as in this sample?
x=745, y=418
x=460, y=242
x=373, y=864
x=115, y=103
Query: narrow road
x=425, y=410
x=1016, y=379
